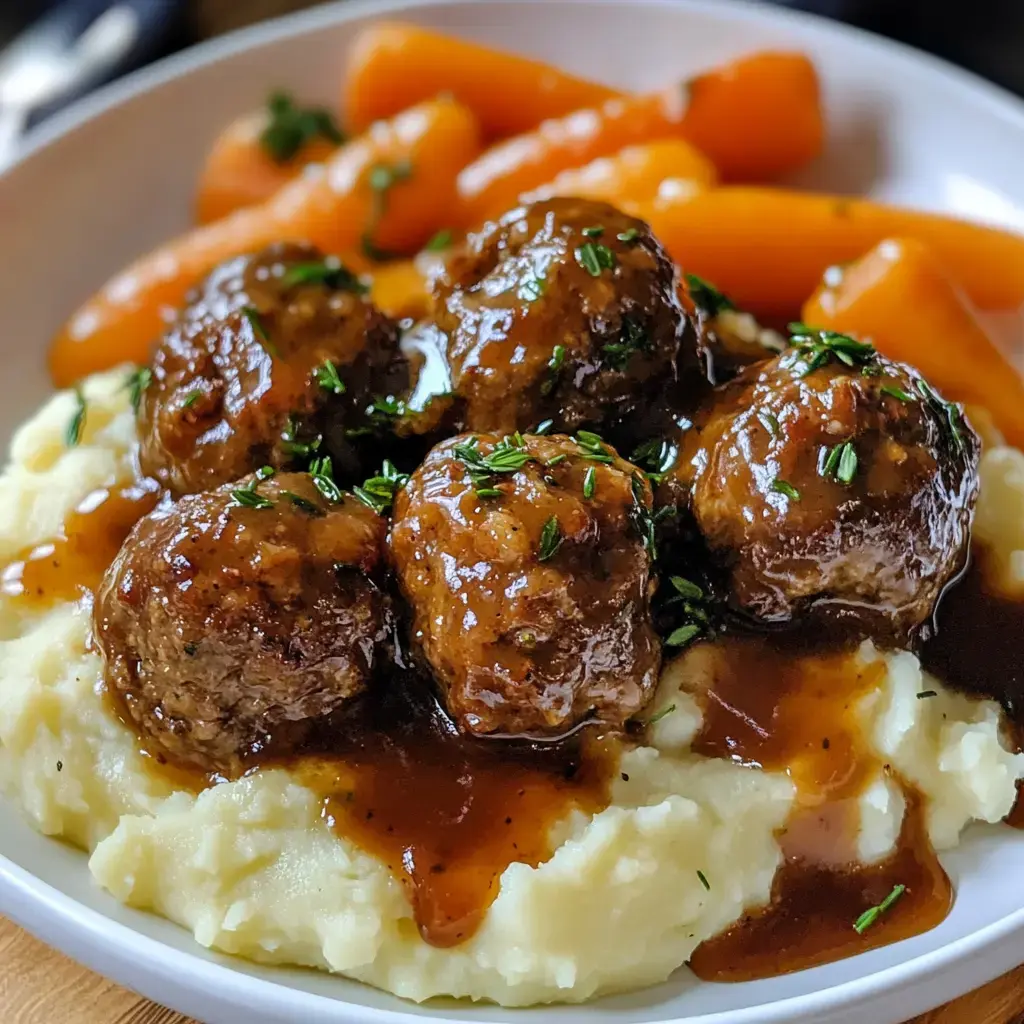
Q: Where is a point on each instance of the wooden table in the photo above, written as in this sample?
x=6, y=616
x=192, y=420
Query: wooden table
x=40, y=986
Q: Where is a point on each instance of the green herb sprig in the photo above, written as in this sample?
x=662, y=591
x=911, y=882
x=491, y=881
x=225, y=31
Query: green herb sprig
x=706, y=297
x=840, y=463
x=326, y=375
x=595, y=257
x=378, y=492
x=291, y=127
x=248, y=496
x=321, y=470
x=813, y=347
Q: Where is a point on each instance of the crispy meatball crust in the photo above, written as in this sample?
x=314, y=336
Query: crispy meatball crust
x=531, y=606
x=841, y=491
x=245, y=361
x=566, y=310
x=229, y=631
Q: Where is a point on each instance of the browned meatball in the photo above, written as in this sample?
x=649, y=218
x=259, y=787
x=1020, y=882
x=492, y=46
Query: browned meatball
x=276, y=354
x=845, y=491
x=566, y=310
x=525, y=566
x=234, y=620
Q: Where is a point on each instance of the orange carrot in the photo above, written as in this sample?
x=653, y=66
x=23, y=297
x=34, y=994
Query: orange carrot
x=726, y=109
x=393, y=186
x=394, y=65
x=635, y=173
x=899, y=297
x=239, y=171
x=767, y=248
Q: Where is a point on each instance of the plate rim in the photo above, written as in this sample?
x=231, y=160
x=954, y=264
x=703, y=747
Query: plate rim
x=123, y=945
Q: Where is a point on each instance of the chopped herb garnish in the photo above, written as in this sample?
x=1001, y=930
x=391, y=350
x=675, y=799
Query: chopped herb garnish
x=869, y=917
x=594, y=257
x=594, y=231
x=634, y=339
x=927, y=693
x=703, y=880
x=556, y=459
x=303, y=503
x=264, y=472
x=191, y=647
x=381, y=179
x=321, y=470
x=136, y=384
x=949, y=410
x=327, y=377
x=683, y=635
x=531, y=289
x=489, y=492
x=441, y=241
x=589, y=482
x=629, y=235
x=659, y=715
x=706, y=297
x=379, y=491
x=813, y=347
x=191, y=398
x=259, y=330
x=895, y=392
x=554, y=368
x=542, y=428
x=507, y=456
x=786, y=488
x=769, y=421
x=290, y=440
x=828, y=467
x=593, y=447
x=550, y=539
x=73, y=434
x=840, y=464
x=248, y=497
x=686, y=589
x=291, y=127
x=330, y=272
x=656, y=457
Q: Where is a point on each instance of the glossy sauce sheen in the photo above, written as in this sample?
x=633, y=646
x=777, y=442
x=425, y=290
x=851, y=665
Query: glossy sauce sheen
x=793, y=711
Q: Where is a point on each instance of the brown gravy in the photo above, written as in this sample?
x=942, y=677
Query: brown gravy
x=784, y=709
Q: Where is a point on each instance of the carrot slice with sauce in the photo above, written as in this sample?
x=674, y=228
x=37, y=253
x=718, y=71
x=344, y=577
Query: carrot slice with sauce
x=391, y=188
x=899, y=297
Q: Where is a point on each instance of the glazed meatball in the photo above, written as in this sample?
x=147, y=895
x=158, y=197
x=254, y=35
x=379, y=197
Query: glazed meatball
x=234, y=621
x=566, y=310
x=834, y=490
x=525, y=566
x=277, y=355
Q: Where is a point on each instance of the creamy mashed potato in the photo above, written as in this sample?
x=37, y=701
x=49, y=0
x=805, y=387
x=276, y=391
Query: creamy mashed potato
x=252, y=869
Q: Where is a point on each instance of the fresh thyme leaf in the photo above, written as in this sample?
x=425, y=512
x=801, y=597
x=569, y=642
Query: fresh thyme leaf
x=550, y=540
x=291, y=127
x=784, y=487
x=259, y=330
x=136, y=384
x=685, y=588
x=703, y=880
x=895, y=392
x=303, y=503
x=869, y=917
x=706, y=297
x=594, y=257
x=769, y=421
x=683, y=635
x=378, y=492
x=594, y=231
x=73, y=434
x=589, y=482
x=326, y=375
x=330, y=272
x=659, y=715
x=441, y=241
x=191, y=398
x=629, y=235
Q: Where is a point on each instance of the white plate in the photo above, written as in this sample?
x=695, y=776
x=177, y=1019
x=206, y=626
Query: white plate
x=115, y=175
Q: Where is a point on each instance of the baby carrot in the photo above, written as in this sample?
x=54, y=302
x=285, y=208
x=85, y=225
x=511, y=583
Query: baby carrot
x=722, y=112
x=635, y=174
x=390, y=189
x=259, y=153
x=767, y=248
x=394, y=65
x=900, y=298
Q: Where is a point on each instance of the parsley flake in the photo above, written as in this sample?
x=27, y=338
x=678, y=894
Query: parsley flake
x=291, y=127
x=869, y=917
x=594, y=257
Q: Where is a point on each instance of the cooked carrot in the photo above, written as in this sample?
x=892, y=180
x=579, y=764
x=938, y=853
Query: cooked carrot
x=392, y=187
x=239, y=170
x=394, y=65
x=400, y=289
x=767, y=248
x=635, y=173
x=899, y=297
x=752, y=138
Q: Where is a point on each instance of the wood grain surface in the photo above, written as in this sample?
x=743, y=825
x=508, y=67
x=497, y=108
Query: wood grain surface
x=40, y=986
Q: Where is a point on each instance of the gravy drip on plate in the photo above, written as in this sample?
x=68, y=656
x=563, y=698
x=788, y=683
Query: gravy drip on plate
x=976, y=647
x=71, y=566
x=780, y=708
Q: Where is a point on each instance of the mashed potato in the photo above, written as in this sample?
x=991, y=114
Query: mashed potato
x=251, y=868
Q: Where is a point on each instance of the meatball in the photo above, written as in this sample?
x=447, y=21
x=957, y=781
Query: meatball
x=234, y=621
x=834, y=490
x=567, y=310
x=277, y=355
x=525, y=565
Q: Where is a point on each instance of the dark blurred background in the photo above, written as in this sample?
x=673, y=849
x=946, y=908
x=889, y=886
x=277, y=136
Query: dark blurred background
x=986, y=36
